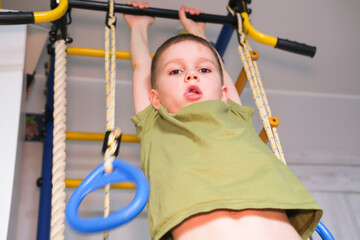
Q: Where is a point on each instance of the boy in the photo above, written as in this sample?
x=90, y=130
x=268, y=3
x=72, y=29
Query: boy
x=211, y=177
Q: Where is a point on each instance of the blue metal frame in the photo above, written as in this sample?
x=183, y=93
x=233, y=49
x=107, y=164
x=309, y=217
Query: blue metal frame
x=224, y=38
x=44, y=219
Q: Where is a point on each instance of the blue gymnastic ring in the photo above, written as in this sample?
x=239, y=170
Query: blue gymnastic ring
x=324, y=233
x=122, y=172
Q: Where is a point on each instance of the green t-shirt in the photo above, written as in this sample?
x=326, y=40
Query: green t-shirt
x=208, y=156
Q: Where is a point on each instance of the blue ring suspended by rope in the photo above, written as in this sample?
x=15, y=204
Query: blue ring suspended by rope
x=324, y=233
x=122, y=172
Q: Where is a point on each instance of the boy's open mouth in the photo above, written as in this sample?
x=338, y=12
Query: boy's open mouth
x=193, y=92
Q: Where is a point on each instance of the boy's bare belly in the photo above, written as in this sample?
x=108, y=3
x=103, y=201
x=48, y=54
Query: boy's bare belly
x=230, y=225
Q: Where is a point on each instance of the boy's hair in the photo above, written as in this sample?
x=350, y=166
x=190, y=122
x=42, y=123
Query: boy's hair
x=180, y=38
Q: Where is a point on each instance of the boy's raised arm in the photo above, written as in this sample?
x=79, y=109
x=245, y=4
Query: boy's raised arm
x=198, y=29
x=140, y=57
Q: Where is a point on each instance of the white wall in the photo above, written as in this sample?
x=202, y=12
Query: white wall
x=12, y=63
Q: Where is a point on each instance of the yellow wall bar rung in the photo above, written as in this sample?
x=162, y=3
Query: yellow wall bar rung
x=74, y=183
x=83, y=136
x=94, y=52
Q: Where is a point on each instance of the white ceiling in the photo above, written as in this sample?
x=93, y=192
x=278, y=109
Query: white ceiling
x=330, y=25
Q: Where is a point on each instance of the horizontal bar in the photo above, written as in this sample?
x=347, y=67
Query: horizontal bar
x=83, y=136
x=74, y=183
x=153, y=12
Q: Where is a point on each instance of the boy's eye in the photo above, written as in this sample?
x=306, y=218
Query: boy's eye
x=176, y=71
x=204, y=70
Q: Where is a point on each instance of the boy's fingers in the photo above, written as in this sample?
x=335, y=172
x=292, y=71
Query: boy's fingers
x=143, y=5
x=135, y=4
x=199, y=11
x=182, y=12
x=193, y=11
x=140, y=5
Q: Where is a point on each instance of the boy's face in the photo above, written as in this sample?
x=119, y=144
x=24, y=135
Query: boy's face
x=187, y=72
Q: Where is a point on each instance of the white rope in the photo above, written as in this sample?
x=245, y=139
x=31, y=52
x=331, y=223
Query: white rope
x=110, y=75
x=58, y=172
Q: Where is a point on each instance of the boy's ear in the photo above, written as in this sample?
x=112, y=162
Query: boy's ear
x=224, y=94
x=154, y=99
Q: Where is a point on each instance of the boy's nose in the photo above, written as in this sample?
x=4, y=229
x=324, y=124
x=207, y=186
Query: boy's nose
x=192, y=76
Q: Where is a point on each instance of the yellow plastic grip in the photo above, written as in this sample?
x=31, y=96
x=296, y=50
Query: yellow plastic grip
x=52, y=15
x=255, y=34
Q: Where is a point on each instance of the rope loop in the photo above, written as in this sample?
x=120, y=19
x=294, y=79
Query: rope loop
x=110, y=19
x=241, y=35
x=112, y=141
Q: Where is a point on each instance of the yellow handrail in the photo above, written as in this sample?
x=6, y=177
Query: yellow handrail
x=52, y=15
x=255, y=34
